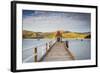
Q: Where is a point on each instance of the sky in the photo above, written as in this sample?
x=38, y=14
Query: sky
x=50, y=21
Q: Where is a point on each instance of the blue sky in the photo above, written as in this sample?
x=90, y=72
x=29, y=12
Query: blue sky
x=47, y=21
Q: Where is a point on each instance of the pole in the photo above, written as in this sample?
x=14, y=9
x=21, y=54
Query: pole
x=46, y=47
x=35, y=56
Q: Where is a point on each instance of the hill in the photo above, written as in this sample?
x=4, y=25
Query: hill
x=51, y=35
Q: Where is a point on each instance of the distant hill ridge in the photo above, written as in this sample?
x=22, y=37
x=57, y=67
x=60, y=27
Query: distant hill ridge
x=65, y=34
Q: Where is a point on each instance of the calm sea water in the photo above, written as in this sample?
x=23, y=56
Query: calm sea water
x=80, y=48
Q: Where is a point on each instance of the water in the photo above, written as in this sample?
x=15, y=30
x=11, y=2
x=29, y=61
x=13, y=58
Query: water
x=80, y=48
x=29, y=43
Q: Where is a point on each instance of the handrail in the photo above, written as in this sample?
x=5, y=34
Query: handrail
x=48, y=45
x=41, y=44
x=38, y=51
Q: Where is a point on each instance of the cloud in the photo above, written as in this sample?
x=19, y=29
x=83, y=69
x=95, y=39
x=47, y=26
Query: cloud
x=46, y=21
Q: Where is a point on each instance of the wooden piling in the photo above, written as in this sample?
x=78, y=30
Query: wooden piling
x=46, y=47
x=49, y=44
x=67, y=44
x=35, y=56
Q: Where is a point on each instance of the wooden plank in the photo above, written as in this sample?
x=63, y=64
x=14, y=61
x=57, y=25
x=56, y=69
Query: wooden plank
x=58, y=53
x=47, y=52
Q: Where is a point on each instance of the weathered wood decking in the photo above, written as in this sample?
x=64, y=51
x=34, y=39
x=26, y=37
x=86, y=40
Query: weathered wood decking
x=58, y=52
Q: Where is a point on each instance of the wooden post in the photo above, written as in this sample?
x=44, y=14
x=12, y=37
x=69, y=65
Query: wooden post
x=35, y=56
x=49, y=44
x=46, y=47
x=67, y=44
